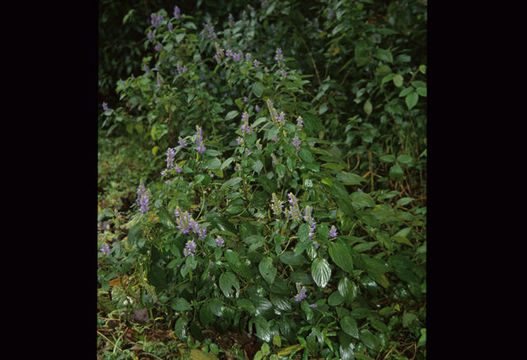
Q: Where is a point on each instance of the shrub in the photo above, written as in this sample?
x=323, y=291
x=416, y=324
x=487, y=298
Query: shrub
x=257, y=222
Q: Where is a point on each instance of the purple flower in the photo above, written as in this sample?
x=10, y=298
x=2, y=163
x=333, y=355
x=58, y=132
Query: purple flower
x=231, y=18
x=245, y=99
x=176, y=12
x=256, y=63
x=299, y=122
x=150, y=35
x=158, y=47
x=276, y=205
x=183, y=220
x=313, y=306
x=281, y=118
x=146, y=68
x=333, y=231
x=143, y=195
x=170, y=158
x=170, y=27
x=164, y=173
x=247, y=152
x=301, y=292
x=294, y=211
x=283, y=73
x=275, y=139
x=180, y=69
x=182, y=143
x=105, y=249
x=275, y=161
x=296, y=143
x=199, y=141
x=208, y=29
x=178, y=169
x=190, y=248
x=239, y=140
x=105, y=107
x=278, y=55
x=246, y=128
x=257, y=108
x=220, y=242
x=156, y=20
x=248, y=56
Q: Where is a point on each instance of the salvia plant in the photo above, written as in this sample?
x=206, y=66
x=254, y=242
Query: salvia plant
x=254, y=222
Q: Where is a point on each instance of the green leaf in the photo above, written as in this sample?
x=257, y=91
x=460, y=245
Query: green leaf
x=231, y=115
x=231, y=182
x=401, y=236
x=384, y=55
x=335, y=299
x=362, y=199
x=411, y=100
x=398, y=80
x=263, y=330
x=396, y=172
x=258, y=89
x=388, y=158
x=180, y=304
x=257, y=166
x=213, y=164
x=350, y=179
x=349, y=326
x=290, y=258
x=340, y=254
x=406, y=91
x=321, y=272
x=421, y=91
x=228, y=281
x=267, y=270
x=405, y=159
x=180, y=37
x=246, y=305
x=369, y=339
x=387, y=78
x=226, y=163
x=367, y=107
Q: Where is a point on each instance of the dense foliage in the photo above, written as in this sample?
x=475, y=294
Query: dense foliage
x=275, y=180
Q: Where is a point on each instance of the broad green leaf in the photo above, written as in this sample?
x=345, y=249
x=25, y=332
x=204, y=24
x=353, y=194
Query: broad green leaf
x=231, y=182
x=349, y=326
x=421, y=91
x=226, y=163
x=362, y=199
x=370, y=340
x=180, y=304
x=228, y=281
x=404, y=159
x=341, y=256
x=350, y=179
x=321, y=272
x=258, y=89
x=213, y=164
x=396, y=172
x=411, y=100
x=257, y=166
x=388, y=158
x=398, y=80
x=267, y=270
x=384, y=55
x=246, y=305
x=387, y=78
x=231, y=115
x=367, y=107
x=290, y=258
x=335, y=299
x=263, y=330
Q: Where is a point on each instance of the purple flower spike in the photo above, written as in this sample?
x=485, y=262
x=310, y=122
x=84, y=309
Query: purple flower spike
x=176, y=12
x=105, y=249
x=220, y=242
x=333, y=231
x=105, y=107
x=190, y=248
x=182, y=143
x=301, y=292
x=143, y=195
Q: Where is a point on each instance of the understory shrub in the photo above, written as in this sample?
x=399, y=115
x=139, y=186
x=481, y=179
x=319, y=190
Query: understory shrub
x=255, y=219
